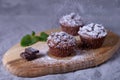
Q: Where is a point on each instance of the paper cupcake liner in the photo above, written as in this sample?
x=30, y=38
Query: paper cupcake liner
x=70, y=30
x=61, y=52
x=91, y=43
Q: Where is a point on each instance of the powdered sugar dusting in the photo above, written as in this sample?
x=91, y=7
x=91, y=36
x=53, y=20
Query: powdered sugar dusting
x=93, y=30
x=49, y=60
x=71, y=20
x=61, y=39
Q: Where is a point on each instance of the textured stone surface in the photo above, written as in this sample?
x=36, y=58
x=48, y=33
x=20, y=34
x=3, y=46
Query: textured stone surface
x=18, y=17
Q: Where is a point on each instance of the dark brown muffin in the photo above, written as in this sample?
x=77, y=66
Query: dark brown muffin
x=71, y=23
x=61, y=44
x=92, y=35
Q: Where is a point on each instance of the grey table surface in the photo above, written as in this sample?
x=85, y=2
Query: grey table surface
x=19, y=17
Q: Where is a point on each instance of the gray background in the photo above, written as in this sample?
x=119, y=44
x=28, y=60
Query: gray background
x=18, y=17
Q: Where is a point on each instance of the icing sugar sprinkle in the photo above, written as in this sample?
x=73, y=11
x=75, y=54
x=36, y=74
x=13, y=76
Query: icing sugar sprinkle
x=61, y=39
x=71, y=20
x=93, y=30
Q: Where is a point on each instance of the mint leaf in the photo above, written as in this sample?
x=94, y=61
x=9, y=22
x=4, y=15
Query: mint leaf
x=35, y=39
x=33, y=33
x=43, y=36
x=26, y=40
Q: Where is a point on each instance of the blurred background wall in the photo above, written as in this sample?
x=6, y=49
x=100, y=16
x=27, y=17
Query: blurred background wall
x=19, y=17
x=46, y=13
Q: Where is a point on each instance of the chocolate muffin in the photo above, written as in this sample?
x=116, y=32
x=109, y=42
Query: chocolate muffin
x=92, y=35
x=71, y=23
x=61, y=44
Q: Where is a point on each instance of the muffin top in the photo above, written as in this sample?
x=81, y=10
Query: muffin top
x=71, y=20
x=61, y=40
x=93, y=30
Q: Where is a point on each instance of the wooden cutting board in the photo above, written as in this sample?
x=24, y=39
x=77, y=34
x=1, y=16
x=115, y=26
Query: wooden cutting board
x=48, y=64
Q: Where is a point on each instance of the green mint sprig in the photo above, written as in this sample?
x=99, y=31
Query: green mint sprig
x=28, y=39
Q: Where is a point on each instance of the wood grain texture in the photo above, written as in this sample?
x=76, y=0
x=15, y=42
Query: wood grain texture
x=48, y=64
